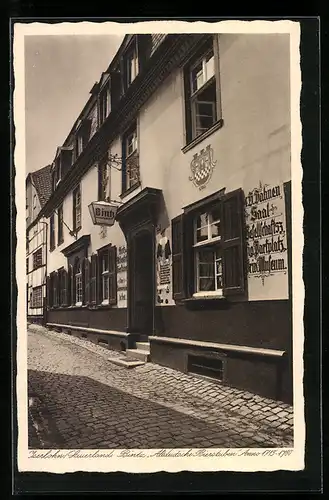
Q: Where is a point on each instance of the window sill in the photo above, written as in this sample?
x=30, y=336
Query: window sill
x=219, y=124
x=209, y=296
x=130, y=190
x=204, y=302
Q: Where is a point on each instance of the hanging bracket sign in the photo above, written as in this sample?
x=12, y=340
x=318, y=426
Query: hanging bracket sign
x=102, y=213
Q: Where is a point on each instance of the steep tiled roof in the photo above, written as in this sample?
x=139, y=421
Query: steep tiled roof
x=42, y=182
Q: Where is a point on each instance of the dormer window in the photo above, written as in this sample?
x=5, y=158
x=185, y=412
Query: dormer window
x=57, y=172
x=104, y=103
x=82, y=136
x=130, y=65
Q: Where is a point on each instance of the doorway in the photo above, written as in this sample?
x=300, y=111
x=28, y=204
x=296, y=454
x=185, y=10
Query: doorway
x=142, y=283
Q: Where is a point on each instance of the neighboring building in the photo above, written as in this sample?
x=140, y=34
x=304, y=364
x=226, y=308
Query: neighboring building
x=189, y=136
x=38, y=191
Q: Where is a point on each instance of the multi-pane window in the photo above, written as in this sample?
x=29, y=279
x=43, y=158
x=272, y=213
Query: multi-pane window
x=201, y=86
x=52, y=232
x=60, y=225
x=131, y=175
x=106, y=274
x=105, y=277
x=207, y=253
x=37, y=258
x=93, y=279
x=82, y=136
x=103, y=181
x=78, y=283
x=36, y=297
x=27, y=265
x=130, y=65
x=76, y=209
x=208, y=248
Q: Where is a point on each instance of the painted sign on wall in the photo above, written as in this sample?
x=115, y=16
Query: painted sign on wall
x=202, y=167
x=164, y=262
x=122, y=276
x=266, y=242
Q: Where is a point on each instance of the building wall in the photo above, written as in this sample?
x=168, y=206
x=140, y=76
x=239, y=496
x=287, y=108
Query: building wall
x=252, y=147
x=36, y=277
x=250, y=151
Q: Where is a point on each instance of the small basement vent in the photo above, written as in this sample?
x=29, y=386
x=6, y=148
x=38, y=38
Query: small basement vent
x=102, y=341
x=206, y=366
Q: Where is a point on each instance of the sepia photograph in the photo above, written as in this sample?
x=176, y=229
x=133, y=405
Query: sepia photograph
x=162, y=239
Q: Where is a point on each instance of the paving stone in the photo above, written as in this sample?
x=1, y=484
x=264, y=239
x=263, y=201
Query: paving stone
x=82, y=388
x=271, y=418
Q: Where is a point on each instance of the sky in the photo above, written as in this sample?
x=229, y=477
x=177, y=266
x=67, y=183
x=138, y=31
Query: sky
x=59, y=74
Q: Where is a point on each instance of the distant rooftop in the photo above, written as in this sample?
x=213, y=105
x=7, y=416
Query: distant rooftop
x=42, y=181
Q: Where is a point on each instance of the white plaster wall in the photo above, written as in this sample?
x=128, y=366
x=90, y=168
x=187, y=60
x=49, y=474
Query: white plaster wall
x=89, y=193
x=253, y=145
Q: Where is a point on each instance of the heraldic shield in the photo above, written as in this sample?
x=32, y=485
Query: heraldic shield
x=202, y=167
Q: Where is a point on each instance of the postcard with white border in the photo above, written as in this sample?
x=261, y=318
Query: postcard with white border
x=158, y=185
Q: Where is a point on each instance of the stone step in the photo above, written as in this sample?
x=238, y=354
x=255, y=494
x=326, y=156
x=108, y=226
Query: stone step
x=138, y=354
x=126, y=363
x=143, y=346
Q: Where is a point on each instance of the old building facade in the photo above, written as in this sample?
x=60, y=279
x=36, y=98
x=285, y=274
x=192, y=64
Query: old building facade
x=38, y=190
x=186, y=139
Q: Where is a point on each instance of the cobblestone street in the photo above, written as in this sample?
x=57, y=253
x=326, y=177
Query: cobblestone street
x=79, y=399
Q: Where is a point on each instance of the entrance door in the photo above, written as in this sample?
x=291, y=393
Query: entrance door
x=142, y=282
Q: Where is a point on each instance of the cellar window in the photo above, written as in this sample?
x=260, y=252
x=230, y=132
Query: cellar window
x=210, y=367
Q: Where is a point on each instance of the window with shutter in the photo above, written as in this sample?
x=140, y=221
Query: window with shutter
x=232, y=210
x=70, y=285
x=49, y=291
x=113, y=275
x=106, y=283
x=77, y=209
x=78, y=282
x=93, y=279
x=208, y=249
x=63, y=287
x=55, y=288
x=60, y=225
x=201, y=89
x=87, y=280
x=178, y=258
x=103, y=180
